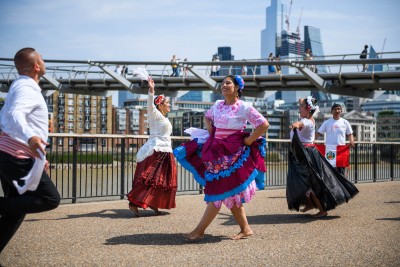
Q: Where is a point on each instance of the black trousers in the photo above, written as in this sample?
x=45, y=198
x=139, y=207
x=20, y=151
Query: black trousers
x=13, y=206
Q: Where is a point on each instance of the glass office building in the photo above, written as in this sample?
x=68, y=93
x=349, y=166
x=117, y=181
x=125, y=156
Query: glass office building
x=372, y=54
x=271, y=35
x=313, y=40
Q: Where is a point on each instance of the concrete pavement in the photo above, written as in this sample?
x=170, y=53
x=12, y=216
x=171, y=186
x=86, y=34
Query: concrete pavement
x=363, y=232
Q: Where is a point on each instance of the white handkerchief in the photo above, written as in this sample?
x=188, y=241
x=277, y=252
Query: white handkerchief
x=142, y=73
x=201, y=134
x=32, y=179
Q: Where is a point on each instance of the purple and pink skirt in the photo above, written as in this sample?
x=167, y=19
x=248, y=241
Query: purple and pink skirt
x=229, y=171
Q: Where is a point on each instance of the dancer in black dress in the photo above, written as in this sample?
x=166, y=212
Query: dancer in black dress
x=311, y=181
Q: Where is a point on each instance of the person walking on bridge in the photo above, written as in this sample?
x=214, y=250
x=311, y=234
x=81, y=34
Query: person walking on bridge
x=364, y=55
x=308, y=55
x=23, y=137
x=154, y=184
x=271, y=68
x=174, y=66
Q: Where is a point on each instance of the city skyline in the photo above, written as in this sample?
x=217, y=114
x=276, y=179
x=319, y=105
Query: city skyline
x=155, y=30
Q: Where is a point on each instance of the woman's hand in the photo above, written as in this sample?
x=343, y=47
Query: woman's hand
x=247, y=141
x=208, y=124
x=259, y=131
x=297, y=125
x=151, y=85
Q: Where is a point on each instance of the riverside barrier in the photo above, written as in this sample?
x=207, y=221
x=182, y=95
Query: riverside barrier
x=95, y=167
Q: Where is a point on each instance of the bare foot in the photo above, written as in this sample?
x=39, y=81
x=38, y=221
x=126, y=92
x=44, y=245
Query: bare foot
x=321, y=214
x=134, y=209
x=306, y=208
x=192, y=237
x=242, y=235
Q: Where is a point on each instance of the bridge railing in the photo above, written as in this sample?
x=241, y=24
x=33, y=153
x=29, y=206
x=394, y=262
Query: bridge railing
x=102, y=166
x=87, y=69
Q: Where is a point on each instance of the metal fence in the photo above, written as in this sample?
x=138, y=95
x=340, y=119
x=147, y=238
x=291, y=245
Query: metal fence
x=102, y=166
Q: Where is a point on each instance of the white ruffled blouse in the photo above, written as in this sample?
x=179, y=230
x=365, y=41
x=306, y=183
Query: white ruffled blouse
x=160, y=132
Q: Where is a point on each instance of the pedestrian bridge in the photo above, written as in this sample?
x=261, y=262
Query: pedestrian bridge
x=338, y=74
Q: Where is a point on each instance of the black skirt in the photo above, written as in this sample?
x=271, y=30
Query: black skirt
x=308, y=169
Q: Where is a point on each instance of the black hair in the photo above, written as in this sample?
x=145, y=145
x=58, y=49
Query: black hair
x=336, y=106
x=23, y=57
x=239, y=91
x=154, y=101
x=313, y=101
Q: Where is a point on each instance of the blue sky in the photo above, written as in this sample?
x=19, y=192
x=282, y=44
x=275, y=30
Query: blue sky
x=154, y=30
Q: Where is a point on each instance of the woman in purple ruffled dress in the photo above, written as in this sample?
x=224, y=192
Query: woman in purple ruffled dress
x=230, y=164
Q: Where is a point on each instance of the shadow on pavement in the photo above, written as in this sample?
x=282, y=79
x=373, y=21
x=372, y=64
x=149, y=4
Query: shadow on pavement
x=277, y=218
x=107, y=213
x=389, y=219
x=159, y=239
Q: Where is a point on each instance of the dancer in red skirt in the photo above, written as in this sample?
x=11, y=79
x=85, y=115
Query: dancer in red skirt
x=154, y=183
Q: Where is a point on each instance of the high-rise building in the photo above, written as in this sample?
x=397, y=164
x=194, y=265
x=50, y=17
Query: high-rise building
x=313, y=40
x=373, y=54
x=81, y=114
x=200, y=96
x=291, y=45
x=271, y=35
x=124, y=96
x=288, y=44
x=224, y=53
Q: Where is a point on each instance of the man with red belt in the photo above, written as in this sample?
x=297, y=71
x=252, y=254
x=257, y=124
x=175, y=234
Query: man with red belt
x=23, y=136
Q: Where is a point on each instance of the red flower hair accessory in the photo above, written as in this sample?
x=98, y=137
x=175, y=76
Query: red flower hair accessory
x=159, y=100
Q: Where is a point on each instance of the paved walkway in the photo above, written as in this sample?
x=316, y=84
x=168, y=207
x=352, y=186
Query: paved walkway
x=363, y=232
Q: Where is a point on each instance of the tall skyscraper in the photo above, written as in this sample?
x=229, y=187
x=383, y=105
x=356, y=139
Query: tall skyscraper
x=271, y=35
x=288, y=44
x=224, y=53
x=373, y=54
x=292, y=46
x=313, y=40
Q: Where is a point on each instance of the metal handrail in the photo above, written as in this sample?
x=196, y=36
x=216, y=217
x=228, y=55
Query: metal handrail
x=92, y=175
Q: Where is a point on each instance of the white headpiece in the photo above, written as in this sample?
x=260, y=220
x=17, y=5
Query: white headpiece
x=312, y=106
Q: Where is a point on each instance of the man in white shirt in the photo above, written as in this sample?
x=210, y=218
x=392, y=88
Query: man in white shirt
x=23, y=136
x=336, y=129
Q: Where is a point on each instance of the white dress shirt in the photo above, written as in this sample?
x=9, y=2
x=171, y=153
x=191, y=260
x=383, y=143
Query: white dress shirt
x=24, y=113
